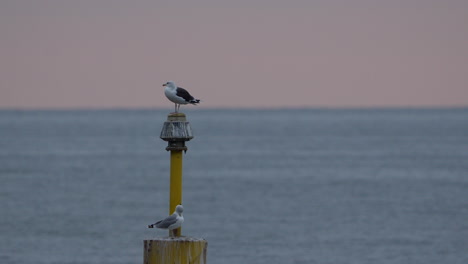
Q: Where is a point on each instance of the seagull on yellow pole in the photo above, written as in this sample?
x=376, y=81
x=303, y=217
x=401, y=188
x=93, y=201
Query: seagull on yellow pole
x=171, y=222
x=178, y=95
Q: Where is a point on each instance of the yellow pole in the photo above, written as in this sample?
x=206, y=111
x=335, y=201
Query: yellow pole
x=179, y=249
x=175, y=196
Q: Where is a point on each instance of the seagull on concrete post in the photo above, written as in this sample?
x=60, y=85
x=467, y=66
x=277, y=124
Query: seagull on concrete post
x=171, y=222
x=178, y=95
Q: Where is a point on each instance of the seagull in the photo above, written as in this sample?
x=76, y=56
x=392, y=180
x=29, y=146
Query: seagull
x=178, y=95
x=171, y=222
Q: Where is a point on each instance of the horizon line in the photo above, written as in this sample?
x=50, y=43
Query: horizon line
x=119, y=108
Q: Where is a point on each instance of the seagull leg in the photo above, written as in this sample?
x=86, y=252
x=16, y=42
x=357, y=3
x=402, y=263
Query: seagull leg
x=175, y=108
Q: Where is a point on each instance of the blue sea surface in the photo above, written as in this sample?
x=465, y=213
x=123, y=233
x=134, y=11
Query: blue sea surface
x=261, y=186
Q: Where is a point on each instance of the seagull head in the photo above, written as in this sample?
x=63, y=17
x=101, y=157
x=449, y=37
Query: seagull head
x=179, y=209
x=170, y=84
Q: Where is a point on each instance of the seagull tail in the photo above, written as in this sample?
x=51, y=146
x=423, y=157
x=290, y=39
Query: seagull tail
x=151, y=226
x=195, y=101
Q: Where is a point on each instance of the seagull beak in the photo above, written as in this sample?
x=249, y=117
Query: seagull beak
x=164, y=84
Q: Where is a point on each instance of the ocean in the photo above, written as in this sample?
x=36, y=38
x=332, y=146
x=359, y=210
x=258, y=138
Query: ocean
x=261, y=186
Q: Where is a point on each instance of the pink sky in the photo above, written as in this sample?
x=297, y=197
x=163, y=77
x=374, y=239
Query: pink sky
x=257, y=53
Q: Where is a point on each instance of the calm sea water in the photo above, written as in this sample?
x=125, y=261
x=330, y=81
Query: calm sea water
x=283, y=186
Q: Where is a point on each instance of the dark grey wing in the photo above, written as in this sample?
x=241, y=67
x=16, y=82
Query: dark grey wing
x=181, y=92
x=165, y=223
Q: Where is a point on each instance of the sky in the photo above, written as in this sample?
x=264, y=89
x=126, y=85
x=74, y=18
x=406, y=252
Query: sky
x=234, y=54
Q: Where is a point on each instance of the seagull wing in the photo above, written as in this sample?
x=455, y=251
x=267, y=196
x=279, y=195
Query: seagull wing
x=165, y=223
x=184, y=94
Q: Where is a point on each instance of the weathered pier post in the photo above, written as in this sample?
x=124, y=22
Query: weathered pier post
x=178, y=249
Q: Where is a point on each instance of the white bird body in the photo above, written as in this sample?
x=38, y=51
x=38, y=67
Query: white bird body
x=171, y=95
x=171, y=222
x=179, y=219
x=178, y=95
